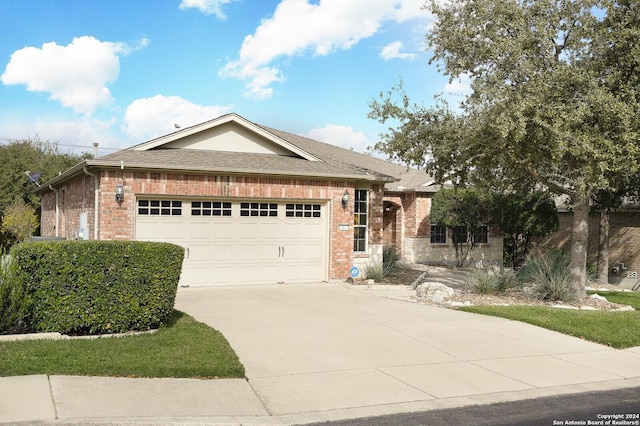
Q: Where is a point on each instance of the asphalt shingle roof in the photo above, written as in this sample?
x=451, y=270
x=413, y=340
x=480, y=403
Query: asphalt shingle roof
x=408, y=178
x=245, y=163
x=336, y=163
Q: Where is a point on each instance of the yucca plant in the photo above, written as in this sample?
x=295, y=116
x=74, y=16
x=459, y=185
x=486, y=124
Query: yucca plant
x=390, y=258
x=489, y=281
x=374, y=272
x=379, y=271
x=550, y=275
x=482, y=282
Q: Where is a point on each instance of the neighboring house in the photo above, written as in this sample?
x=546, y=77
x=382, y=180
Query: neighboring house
x=252, y=204
x=624, y=240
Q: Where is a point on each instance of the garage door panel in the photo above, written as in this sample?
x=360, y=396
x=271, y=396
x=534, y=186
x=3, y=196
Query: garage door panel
x=154, y=231
x=293, y=251
x=301, y=273
x=260, y=274
x=257, y=252
x=147, y=231
x=220, y=275
x=301, y=230
x=246, y=252
x=198, y=252
x=268, y=252
x=222, y=230
x=269, y=231
x=244, y=249
x=221, y=252
x=304, y=251
x=199, y=231
x=246, y=231
x=193, y=275
x=173, y=230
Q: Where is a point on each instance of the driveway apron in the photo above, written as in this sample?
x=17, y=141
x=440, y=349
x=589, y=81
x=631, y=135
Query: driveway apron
x=334, y=348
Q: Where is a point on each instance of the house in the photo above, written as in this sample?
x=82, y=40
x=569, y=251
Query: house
x=252, y=204
x=624, y=240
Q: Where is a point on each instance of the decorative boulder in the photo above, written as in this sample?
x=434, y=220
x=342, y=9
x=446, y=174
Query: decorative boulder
x=434, y=292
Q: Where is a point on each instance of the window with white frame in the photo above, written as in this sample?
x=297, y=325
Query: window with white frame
x=360, y=220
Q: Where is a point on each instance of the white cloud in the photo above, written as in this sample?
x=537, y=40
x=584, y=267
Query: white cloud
x=457, y=91
x=76, y=75
x=460, y=85
x=392, y=51
x=298, y=27
x=342, y=136
x=80, y=136
x=208, y=7
x=71, y=136
x=148, y=118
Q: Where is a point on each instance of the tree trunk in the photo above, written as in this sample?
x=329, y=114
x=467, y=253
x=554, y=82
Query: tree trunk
x=603, y=249
x=579, y=238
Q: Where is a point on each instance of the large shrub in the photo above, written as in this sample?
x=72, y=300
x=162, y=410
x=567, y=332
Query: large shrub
x=19, y=220
x=15, y=303
x=463, y=211
x=95, y=287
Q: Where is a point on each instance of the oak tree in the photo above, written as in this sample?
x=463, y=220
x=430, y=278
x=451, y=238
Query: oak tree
x=554, y=100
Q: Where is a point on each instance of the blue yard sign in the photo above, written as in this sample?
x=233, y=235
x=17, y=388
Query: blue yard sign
x=355, y=272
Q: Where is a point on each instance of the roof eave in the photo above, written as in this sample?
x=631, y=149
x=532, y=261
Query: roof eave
x=65, y=176
x=79, y=168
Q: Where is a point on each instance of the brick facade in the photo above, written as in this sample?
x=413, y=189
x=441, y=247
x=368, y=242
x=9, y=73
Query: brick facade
x=624, y=238
x=411, y=219
x=73, y=199
x=117, y=222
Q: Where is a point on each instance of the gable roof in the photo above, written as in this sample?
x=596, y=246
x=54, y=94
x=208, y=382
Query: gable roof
x=274, y=152
x=278, y=145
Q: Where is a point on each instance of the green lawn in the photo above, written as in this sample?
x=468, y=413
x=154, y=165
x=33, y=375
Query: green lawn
x=184, y=348
x=621, y=297
x=615, y=329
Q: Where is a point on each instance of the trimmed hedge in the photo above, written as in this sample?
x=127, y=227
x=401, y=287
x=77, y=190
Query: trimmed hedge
x=98, y=287
x=15, y=304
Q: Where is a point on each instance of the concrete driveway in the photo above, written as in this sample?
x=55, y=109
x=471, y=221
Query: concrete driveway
x=332, y=351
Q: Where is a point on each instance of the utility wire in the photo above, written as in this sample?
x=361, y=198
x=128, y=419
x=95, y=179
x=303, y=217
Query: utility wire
x=69, y=145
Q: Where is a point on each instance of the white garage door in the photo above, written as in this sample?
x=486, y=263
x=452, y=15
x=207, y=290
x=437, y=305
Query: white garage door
x=240, y=242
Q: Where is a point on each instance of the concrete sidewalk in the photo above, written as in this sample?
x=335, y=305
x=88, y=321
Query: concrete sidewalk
x=315, y=352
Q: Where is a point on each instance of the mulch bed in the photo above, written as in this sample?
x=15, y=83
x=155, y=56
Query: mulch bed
x=402, y=275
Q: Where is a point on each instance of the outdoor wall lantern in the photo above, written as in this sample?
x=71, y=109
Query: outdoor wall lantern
x=119, y=193
x=345, y=199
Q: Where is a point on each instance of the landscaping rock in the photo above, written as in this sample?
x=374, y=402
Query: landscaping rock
x=565, y=307
x=434, y=292
x=456, y=304
x=598, y=297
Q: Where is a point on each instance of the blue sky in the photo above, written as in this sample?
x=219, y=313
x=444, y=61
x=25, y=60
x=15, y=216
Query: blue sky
x=120, y=72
